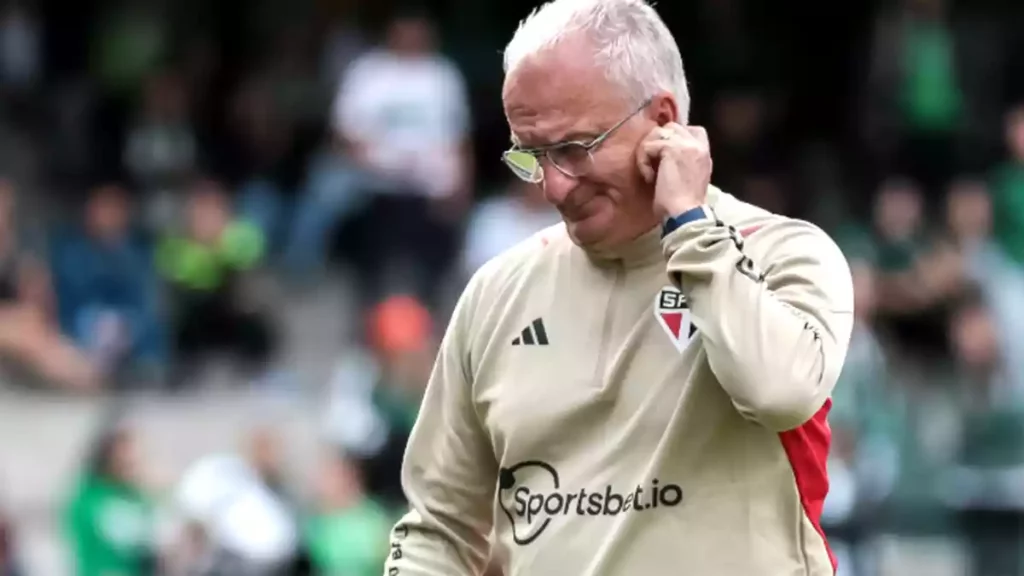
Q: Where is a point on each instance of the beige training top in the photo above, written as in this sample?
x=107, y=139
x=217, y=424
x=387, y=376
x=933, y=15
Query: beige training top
x=660, y=410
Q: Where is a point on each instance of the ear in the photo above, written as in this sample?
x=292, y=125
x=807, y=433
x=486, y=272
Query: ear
x=663, y=109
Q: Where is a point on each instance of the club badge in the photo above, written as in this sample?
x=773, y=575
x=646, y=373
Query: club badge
x=673, y=313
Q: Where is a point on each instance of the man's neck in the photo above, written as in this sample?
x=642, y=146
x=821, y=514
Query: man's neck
x=641, y=248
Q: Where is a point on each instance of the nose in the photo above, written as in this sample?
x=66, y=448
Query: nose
x=556, y=184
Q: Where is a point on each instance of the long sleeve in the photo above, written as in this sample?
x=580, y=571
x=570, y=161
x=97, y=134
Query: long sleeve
x=449, y=473
x=774, y=306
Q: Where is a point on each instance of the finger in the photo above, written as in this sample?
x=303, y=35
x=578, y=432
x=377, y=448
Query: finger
x=658, y=133
x=677, y=128
x=652, y=159
x=695, y=134
x=676, y=143
x=649, y=155
x=653, y=150
x=645, y=162
x=663, y=155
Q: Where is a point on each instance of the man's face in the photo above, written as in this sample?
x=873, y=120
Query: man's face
x=124, y=458
x=558, y=96
x=411, y=35
x=108, y=213
x=208, y=213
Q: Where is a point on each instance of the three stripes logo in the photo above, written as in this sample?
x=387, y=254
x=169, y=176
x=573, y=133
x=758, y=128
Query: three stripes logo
x=534, y=334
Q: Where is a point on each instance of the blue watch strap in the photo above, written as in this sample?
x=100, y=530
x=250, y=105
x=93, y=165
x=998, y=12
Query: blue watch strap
x=691, y=215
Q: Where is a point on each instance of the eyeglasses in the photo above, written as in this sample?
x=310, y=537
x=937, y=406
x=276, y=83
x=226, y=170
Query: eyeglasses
x=573, y=158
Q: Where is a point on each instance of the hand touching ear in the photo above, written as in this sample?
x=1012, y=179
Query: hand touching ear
x=677, y=159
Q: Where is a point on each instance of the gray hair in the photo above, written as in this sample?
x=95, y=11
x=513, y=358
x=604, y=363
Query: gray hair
x=632, y=44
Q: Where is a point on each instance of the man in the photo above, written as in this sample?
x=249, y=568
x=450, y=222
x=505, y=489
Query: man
x=400, y=165
x=644, y=388
x=231, y=522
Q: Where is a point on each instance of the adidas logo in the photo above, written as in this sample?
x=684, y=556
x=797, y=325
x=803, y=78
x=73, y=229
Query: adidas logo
x=534, y=334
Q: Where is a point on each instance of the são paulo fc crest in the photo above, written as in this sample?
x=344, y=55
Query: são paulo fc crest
x=673, y=313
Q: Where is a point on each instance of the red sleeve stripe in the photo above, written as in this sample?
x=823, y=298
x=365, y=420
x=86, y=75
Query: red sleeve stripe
x=807, y=450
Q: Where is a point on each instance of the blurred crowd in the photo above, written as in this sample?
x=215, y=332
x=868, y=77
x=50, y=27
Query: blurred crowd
x=186, y=192
x=229, y=514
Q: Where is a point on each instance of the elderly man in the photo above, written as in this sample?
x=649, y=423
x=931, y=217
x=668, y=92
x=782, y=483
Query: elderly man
x=642, y=389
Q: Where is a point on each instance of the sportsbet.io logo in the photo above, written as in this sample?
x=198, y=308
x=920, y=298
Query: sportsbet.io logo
x=531, y=496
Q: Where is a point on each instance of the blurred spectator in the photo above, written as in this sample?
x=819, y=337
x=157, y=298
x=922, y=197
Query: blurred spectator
x=109, y=519
x=292, y=74
x=344, y=41
x=206, y=265
x=29, y=330
x=233, y=525
x=911, y=312
x=987, y=486
x=20, y=55
x=263, y=158
x=502, y=221
x=265, y=458
x=743, y=129
x=899, y=241
x=929, y=86
x=373, y=409
x=128, y=43
x=401, y=125
x=918, y=106
x=161, y=149
x=402, y=335
x=348, y=531
x=1008, y=189
x=973, y=258
x=867, y=421
x=107, y=288
x=350, y=420
x=899, y=220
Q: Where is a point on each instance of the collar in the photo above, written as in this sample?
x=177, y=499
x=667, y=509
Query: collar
x=641, y=251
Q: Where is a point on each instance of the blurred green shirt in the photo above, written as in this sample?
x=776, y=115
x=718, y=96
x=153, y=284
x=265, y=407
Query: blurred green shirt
x=398, y=409
x=932, y=100
x=350, y=542
x=201, y=267
x=1008, y=209
x=109, y=527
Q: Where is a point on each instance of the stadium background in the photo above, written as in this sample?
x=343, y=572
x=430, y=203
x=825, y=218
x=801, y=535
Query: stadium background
x=127, y=128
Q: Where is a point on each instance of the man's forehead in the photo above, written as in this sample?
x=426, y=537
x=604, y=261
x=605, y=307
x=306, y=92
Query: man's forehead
x=543, y=124
x=561, y=71
x=546, y=103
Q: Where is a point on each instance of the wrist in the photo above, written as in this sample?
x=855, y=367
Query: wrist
x=679, y=219
x=677, y=206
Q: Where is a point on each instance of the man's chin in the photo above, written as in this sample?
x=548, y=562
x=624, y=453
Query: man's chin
x=589, y=233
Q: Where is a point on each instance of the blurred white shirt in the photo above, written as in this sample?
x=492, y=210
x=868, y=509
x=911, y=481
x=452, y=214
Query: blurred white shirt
x=224, y=495
x=1002, y=283
x=351, y=421
x=411, y=114
x=497, y=224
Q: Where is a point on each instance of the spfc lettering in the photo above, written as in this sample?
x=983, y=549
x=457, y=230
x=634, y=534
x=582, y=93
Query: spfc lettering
x=673, y=314
x=671, y=299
